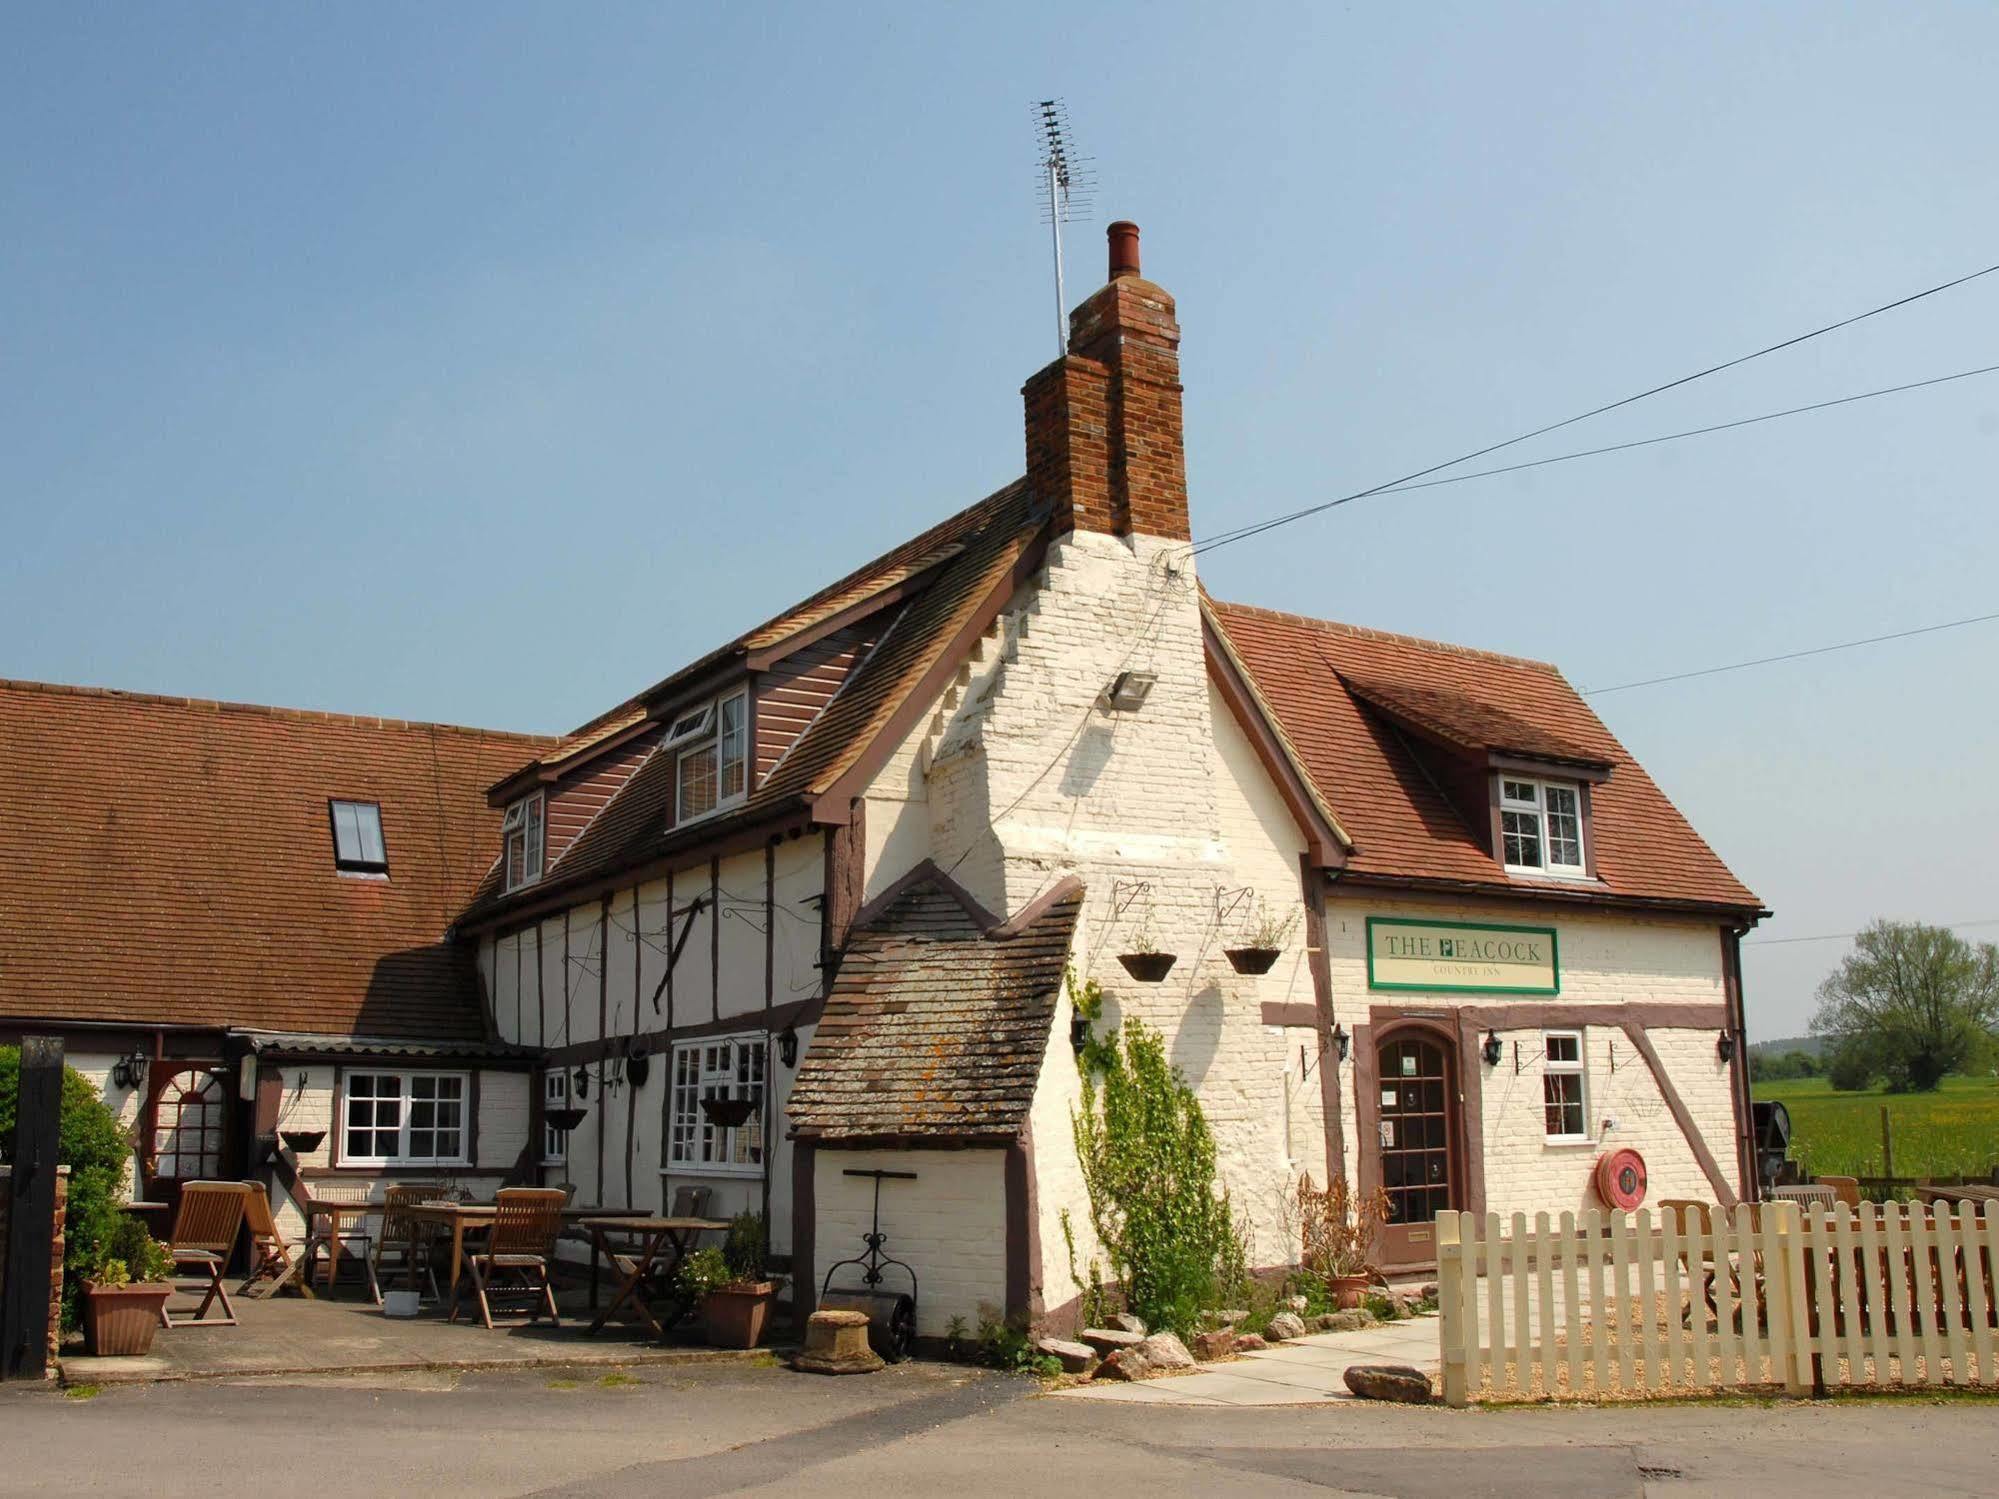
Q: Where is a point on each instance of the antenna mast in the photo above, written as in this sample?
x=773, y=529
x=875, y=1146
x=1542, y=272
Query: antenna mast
x=1066, y=189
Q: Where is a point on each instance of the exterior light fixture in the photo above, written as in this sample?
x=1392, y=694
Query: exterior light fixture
x=1724, y=1046
x=128, y=1072
x=1128, y=692
x=1490, y=1051
x=581, y=1082
x=1342, y=1042
x=1079, y=1032
x=787, y=1046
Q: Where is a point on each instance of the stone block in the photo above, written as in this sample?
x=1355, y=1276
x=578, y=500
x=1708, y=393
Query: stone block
x=1108, y=1340
x=1126, y=1364
x=1165, y=1353
x=836, y=1342
x=1128, y=1322
x=1285, y=1326
x=1249, y=1342
x=1217, y=1343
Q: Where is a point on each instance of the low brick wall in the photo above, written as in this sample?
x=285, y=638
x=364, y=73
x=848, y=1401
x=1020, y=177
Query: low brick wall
x=55, y=1251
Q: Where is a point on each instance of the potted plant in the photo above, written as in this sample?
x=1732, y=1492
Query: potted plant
x=727, y=1113
x=1145, y=962
x=736, y=1306
x=125, y=1285
x=1263, y=940
x=1339, y=1229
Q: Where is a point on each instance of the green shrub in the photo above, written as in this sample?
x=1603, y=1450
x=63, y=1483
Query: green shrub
x=744, y=1247
x=1148, y=1163
x=702, y=1271
x=1007, y=1344
x=94, y=1145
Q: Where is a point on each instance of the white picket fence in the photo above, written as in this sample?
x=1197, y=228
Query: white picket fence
x=1590, y=1304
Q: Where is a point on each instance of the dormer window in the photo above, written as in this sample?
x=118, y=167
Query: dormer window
x=712, y=743
x=357, y=837
x=1541, y=825
x=522, y=834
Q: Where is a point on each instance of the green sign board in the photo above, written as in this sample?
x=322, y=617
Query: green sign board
x=1470, y=957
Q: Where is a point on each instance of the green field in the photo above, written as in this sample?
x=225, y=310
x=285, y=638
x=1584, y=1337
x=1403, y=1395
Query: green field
x=1952, y=1132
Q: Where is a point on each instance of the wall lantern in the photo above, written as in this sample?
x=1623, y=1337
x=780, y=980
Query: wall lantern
x=1724, y=1046
x=1342, y=1042
x=787, y=1046
x=1129, y=690
x=1490, y=1051
x=1079, y=1032
x=128, y=1072
x=580, y=1082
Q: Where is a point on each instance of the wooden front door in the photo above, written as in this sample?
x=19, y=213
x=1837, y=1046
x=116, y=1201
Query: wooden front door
x=1415, y=1144
x=186, y=1134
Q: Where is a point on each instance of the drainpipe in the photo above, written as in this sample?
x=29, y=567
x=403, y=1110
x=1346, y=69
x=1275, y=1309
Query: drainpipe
x=1745, y=1128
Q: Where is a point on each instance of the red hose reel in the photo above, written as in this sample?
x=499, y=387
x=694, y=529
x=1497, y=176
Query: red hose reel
x=1620, y=1178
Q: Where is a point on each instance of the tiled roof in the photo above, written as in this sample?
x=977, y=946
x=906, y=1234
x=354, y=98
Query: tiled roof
x=971, y=551
x=1317, y=677
x=170, y=861
x=934, y=1028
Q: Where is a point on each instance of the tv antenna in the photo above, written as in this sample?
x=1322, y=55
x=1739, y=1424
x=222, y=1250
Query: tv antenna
x=1067, y=190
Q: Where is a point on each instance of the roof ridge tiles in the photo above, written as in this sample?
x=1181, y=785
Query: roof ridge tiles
x=297, y=715
x=1390, y=637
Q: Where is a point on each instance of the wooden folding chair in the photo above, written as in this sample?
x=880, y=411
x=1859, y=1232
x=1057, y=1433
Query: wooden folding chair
x=519, y=1247
x=691, y=1202
x=404, y=1239
x=1845, y=1189
x=204, y=1233
x=273, y=1267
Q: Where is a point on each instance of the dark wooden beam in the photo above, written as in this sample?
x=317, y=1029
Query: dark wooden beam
x=31, y=1221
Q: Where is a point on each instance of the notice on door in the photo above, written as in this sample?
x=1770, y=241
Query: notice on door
x=1469, y=957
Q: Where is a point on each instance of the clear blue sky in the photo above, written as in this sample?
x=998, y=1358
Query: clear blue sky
x=483, y=363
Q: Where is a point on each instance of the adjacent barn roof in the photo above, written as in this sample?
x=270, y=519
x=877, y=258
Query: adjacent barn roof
x=1346, y=699
x=937, y=1024
x=170, y=862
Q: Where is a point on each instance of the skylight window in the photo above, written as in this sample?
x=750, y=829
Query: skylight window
x=357, y=837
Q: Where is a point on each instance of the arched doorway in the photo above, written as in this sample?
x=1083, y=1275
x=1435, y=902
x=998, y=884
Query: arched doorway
x=1415, y=1146
x=186, y=1137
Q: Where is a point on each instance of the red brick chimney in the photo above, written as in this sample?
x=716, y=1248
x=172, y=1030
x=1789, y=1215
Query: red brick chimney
x=1105, y=445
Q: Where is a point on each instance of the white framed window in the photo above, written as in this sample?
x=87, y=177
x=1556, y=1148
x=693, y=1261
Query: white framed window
x=1541, y=826
x=404, y=1119
x=554, y=1095
x=712, y=771
x=522, y=833
x=357, y=837
x=726, y=1074
x=1565, y=1087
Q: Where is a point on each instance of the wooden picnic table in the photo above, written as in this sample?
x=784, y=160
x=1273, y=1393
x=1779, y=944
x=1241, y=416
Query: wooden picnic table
x=1969, y=1192
x=672, y=1236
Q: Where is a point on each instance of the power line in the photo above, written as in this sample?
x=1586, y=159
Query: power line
x=1243, y=533
x=1844, y=936
x=1817, y=650
x=1646, y=442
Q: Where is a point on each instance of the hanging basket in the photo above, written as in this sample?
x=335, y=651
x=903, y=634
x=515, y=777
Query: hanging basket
x=302, y=1141
x=726, y=1113
x=563, y=1119
x=638, y=1067
x=1148, y=967
x=1252, y=959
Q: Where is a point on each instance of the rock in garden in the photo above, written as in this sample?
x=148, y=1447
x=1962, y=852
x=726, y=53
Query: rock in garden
x=1298, y=1304
x=1075, y=1358
x=1249, y=1342
x=1129, y=1322
x=1283, y=1326
x=1165, y=1352
x=1109, y=1340
x=1428, y=1292
x=1352, y=1321
x=1396, y=1382
x=1227, y=1317
x=1127, y=1364
x=1217, y=1343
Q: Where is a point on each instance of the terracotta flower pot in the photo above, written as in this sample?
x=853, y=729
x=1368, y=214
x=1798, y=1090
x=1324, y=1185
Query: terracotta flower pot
x=1252, y=959
x=1148, y=967
x=735, y=1314
x=119, y=1321
x=1349, y=1291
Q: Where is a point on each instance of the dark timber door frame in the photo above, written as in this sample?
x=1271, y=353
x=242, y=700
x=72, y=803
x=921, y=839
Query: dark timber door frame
x=1413, y=1146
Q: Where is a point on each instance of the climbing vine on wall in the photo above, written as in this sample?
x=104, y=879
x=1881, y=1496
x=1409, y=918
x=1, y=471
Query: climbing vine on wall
x=1148, y=1163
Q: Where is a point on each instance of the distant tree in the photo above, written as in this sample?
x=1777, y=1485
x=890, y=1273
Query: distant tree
x=1781, y=1067
x=1851, y=1067
x=1911, y=1003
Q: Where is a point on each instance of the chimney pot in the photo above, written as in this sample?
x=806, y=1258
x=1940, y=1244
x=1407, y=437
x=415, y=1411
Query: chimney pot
x=1123, y=236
